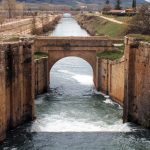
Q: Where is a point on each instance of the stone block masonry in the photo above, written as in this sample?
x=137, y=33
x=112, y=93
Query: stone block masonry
x=126, y=80
x=16, y=85
x=137, y=82
x=111, y=78
x=116, y=80
x=41, y=25
x=41, y=75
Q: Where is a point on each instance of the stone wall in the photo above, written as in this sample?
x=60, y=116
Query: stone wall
x=45, y=43
x=41, y=75
x=103, y=74
x=116, y=80
x=111, y=78
x=25, y=26
x=16, y=85
x=137, y=82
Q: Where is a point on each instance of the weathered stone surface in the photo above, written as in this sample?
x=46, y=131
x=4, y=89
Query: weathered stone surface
x=87, y=55
x=137, y=83
x=83, y=47
x=116, y=80
x=45, y=44
x=19, y=74
x=17, y=86
x=25, y=26
x=41, y=75
x=103, y=75
x=3, y=119
x=111, y=78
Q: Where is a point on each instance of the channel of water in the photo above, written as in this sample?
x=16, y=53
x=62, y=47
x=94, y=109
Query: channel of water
x=72, y=115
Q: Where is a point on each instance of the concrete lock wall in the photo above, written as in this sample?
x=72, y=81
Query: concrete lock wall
x=41, y=75
x=111, y=78
x=16, y=85
x=137, y=82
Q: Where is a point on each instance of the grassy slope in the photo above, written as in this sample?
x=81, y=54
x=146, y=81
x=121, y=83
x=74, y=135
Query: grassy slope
x=111, y=55
x=99, y=26
x=111, y=29
x=141, y=37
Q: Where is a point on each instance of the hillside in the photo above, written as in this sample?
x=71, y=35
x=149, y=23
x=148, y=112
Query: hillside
x=73, y=2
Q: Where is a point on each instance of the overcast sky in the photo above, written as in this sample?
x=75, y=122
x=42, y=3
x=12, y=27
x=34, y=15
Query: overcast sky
x=148, y=0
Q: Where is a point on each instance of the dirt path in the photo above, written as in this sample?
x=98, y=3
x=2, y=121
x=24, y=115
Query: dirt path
x=16, y=21
x=112, y=20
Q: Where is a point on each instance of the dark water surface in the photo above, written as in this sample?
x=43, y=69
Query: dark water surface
x=72, y=115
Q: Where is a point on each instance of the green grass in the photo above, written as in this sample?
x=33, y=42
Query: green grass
x=102, y=27
x=111, y=55
x=9, y=39
x=111, y=29
x=39, y=55
x=140, y=37
x=125, y=19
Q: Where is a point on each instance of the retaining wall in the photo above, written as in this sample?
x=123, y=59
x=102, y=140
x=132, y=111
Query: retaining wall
x=25, y=26
x=16, y=85
x=137, y=82
x=41, y=75
x=111, y=78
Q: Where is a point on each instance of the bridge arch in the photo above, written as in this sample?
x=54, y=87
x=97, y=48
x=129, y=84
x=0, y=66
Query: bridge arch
x=89, y=56
x=63, y=70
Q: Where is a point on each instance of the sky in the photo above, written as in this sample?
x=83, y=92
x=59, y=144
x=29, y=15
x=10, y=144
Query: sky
x=148, y=0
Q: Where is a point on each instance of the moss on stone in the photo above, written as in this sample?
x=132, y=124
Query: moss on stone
x=111, y=55
x=140, y=37
x=38, y=55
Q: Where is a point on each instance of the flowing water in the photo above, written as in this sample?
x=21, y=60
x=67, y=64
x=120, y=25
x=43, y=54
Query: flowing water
x=72, y=115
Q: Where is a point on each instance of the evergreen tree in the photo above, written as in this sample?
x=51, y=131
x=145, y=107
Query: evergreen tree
x=134, y=4
x=118, y=3
x=107, y=2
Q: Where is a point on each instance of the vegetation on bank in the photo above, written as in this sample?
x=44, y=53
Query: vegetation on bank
x=117, y=53
x=12, y=38
x=101, y=27
x=140, y=37
x=39, y=55
x=110, y=55
x=140, y=23
x=124, y=19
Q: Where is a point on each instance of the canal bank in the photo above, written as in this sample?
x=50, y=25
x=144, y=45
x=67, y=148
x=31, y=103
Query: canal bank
x=34, y=25
x=97, y=26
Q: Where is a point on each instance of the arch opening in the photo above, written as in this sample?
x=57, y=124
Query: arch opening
x=71, y=75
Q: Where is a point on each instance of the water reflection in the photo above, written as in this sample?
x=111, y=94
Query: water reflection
x=68, y=26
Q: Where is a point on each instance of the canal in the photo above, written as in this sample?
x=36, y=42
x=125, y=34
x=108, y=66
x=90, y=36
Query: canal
x=73, y=115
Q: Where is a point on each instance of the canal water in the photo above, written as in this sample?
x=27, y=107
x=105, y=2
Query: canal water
x=72, y=115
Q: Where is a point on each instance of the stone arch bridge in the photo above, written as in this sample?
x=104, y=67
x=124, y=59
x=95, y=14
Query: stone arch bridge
x=18, y=73
x=83, y=47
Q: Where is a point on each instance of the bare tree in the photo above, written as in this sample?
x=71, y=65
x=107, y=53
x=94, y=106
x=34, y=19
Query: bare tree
x=33, y=27
x=107, y=2
x=9, y=6
x=42, y=19
x=2, y=20
x=141, y=22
